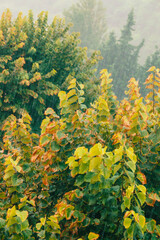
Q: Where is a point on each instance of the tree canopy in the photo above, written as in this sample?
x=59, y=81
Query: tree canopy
x=36, y=59
x=88, y=18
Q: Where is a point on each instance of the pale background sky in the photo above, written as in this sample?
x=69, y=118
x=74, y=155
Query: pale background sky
x=147, y=16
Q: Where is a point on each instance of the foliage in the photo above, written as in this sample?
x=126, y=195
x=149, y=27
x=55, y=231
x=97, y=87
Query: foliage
x=88, y=174
x=88, y=18
x=152, y=60
x=121, y=57
x=36, y=59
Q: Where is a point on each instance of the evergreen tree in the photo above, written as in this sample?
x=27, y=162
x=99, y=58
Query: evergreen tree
x=88, y=18
x=121, y=57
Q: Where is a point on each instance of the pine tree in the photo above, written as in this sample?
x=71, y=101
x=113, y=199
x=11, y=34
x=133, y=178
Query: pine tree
x=121, y=57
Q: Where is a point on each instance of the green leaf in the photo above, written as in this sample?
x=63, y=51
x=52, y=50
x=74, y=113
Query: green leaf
x=141, y=197
x=83, y=168
x=131, y=165
x=54, y=146
x=24, y=225
x=69, y=212
x=44, y=140
x=2, y=222
x=8, y=174
x=38, y=226
x=26, y=167
x=127, y=202
x=50, y=111
x=79, y=180
x=41, y=234
x=60, y=135
x=127, y=222
x=151, y=225
x=88, y=177
x=142, y=221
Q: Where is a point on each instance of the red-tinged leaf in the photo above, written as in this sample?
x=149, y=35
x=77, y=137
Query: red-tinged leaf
x=45, y=181
x=128, y=213
x=50, y=111
x=152, y=198
x=141, y=177
x=150, y=86
x=68, y=213
x=151, y=69
x=44, y=140
x=60, y=135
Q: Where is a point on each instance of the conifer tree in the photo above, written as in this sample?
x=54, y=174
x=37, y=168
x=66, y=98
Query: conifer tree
x=121, y=57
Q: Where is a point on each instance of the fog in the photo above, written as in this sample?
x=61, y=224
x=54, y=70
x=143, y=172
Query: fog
x=147, y=16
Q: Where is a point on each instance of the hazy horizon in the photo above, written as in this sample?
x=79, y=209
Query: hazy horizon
x=146, y=23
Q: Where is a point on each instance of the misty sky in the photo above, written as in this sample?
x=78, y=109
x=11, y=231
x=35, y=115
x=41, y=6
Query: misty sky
x=147, y=15
x=54, y=7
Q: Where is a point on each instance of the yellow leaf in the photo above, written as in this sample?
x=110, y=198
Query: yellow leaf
x=22, y=215
x=93, y=236
x=38, y=226
x=127, y=222
x=142, y=221
x=43, y=220
x=118, y=153
x=142, y=189
x=96, y=150
x=11, y=212
x=151, y=69
x=131, y=155
x=62, y=95
x=72, y=100
x=71, y=93
x=129, y=191
x=94, y=163
x=80, y=152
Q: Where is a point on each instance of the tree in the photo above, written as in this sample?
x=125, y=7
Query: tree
x=36, y=59
x=121, y=57
x=88, y=18
x=87, y=175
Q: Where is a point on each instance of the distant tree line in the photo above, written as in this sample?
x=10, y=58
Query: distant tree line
x=120, y=56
